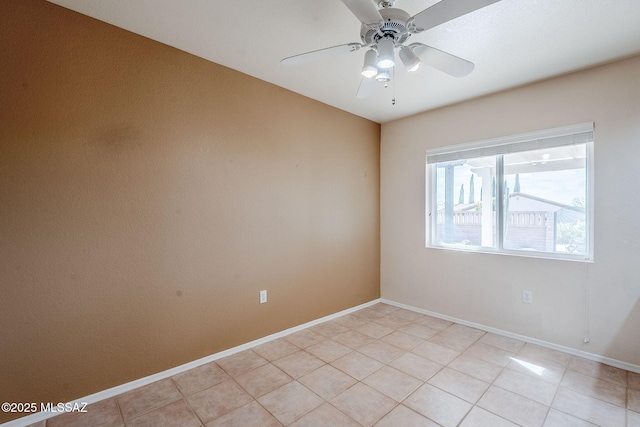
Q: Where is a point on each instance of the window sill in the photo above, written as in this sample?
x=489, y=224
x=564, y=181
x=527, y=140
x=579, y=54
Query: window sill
x=516, y=253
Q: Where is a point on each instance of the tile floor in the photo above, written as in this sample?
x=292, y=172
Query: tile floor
x=381, y=366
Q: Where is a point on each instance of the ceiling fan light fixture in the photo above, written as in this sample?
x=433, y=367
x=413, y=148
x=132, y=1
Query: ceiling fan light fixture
x=385, y=53
x=369, y=68
x=383, y=76
x=409, y=59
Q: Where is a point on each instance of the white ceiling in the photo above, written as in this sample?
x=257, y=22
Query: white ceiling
x=512, y=42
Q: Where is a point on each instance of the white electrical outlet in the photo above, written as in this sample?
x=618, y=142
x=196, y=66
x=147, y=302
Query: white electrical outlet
x=263, y=297
x=527, y=296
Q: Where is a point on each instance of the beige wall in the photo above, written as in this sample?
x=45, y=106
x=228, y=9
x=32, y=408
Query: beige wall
x=487, y=289
x=147, y=195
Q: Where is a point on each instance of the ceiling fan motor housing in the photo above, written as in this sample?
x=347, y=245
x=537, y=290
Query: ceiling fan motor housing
x=395, y=27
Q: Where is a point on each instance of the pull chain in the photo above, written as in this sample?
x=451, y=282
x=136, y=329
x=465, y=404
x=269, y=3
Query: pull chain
x=393, y=99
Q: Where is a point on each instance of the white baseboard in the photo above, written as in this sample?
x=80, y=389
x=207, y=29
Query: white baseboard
x=123, y=388
x=586, y=355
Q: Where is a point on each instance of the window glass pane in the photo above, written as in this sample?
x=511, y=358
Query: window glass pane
x=465, y=199
x=545, y=200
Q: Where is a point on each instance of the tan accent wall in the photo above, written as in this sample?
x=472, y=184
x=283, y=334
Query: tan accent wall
x=487, y=289
x=147, y=195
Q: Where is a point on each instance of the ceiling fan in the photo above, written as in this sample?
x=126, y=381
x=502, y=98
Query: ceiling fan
x=385, y=29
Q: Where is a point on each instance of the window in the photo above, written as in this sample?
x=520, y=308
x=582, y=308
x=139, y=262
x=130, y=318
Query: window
x=526, y=194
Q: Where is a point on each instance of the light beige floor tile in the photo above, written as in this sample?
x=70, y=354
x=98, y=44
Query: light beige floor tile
x=328, y=350
x=452, y=340
x=633, y=419
x=218, y=400
x=357, y=365
x=416, y=366
x=325, y=415
x=327, y=381
x=409, y=315
x=393, y=383
x=509, y=344
x=383, y=308
x=298, y=363
x=513, y=407
x=392, y=322
x=536, y=353
x=262, y=380
x=434, y=322
x=560, y=419
x=374, y=330
x=633, y=400
x=276, y=349
x=304, y=338
x=105, y=412
x=527, y=386
x=458, y=384
x=249, y=415
x=634, y=380
x=538, y=369
x=598, y=370
x=437, y=405
x=491, y=354
x=197, y=379
x=329, y=329
x=381, y=351
x=242, y=362
x=419, y=331
x=478, y=417
x=589, y=409
x=401, y=416
x=145, y=399
x=466, y=331
x=477, y=368
x=353, y=339
x=351, y=321
x=404, y=341
x=174, y=414
x=369, y=314
x=435, y=352
x=363, y=404
x=290, y=402
x=590, y=386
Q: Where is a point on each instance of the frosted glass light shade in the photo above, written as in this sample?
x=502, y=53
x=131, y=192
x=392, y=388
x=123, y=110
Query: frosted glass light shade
x=369, y=68
x=409, y=59
x=383, y=76
x=385, y=53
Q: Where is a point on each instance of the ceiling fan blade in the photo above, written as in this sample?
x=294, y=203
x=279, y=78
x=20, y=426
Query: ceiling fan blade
x=446, y=10
x=366, y=88
x=443, y=61
x=365, y=11
x=303, y=58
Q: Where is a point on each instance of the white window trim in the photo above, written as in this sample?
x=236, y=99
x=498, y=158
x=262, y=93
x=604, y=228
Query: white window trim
x=504, y=145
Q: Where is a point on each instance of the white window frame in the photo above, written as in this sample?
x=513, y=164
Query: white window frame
x=561, y=136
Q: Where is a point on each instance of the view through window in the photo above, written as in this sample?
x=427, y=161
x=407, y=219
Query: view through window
x=528, y=195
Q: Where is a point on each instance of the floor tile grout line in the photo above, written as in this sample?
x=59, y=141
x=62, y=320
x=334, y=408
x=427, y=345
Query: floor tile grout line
x=119, y=409
x=493, y=384
x=473, y=404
